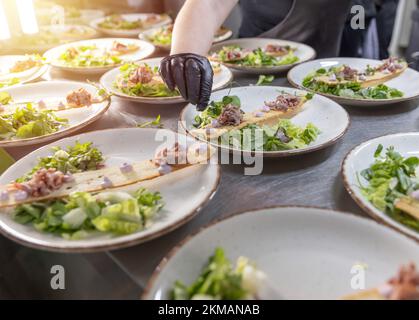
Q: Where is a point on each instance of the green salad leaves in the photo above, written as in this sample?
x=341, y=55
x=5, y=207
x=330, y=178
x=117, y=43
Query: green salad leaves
x=389, y=178
x=77, y=158
x=214, y=110
x=83, y=214
x=88, y=56
x=282, y=136
x=255, y=58
x=27, y=122
x=220, y=280
x=154, y=88
x=349, y=89
x=9, y=82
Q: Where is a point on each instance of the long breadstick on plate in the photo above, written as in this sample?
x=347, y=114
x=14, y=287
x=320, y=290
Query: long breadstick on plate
x=378, y=77
x=93, y=181
x=271, y=117
x=408, y=205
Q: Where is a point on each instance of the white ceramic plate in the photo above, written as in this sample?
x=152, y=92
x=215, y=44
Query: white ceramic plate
x=145, y=49
x=56, y=90
x=362, y=156
x=221, y=80
x=118, y=146
x=145, y=35
x=130, y=17
x=303, y=52
x=328, y=116
x=406, y=82
x=6, y=62
x=307, y=253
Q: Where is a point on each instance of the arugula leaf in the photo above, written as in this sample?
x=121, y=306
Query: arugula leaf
x=264, y=79
x=154, y=123
x=389, y=178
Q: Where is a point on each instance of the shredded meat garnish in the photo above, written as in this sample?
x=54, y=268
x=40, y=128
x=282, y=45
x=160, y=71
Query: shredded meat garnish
x=391, y=64
x=177, y=154
x=23, y=65
x=142, y=74
x=43, y=182
x=348, y=73
x=275, y=48
x=230, y=116
x=405, y=284
x=119, y=47
x=79, y=98
x=284, y=102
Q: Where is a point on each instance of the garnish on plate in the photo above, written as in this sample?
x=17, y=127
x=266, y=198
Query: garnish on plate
x=94, y=56
x=9, y=82
x=118, y=22
x=69, y=194
x=49, y=183
x=30, y=61
x=220, y=280
x=347, y=82
x=27, y=122
x=393, y=186
x=75, y=99
x=403, y=286
x=79, y=157
x=279, y=137
x=83, y=214
x=141, y=80
x=221, y=117
x=270, y=56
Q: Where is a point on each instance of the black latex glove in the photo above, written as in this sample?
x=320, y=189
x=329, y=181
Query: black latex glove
x=192, y=74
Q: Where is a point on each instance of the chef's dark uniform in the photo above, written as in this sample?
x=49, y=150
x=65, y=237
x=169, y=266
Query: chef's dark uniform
x=318, y=23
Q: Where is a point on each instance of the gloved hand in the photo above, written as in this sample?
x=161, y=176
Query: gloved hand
x=192, y=74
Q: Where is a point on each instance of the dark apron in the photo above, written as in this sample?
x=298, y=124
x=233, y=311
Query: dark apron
x=318, y=23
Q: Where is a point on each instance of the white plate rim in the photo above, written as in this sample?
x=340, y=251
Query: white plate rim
x=120, y=244
x=373, y=212
x=323, y=210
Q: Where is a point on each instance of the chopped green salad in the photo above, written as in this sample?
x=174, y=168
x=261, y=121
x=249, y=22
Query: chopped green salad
x=348, y=89
x=5, y=98
x=214, y=109
x=118, y=22
x=220, y=280
x=255, y=58
x=88, y=56
x=283, y=136
x=82, y=214
x=142, y=80
x=76, y=158
x=162, y=36
x=390, y=178
x=28, y=122
x=9, y=82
